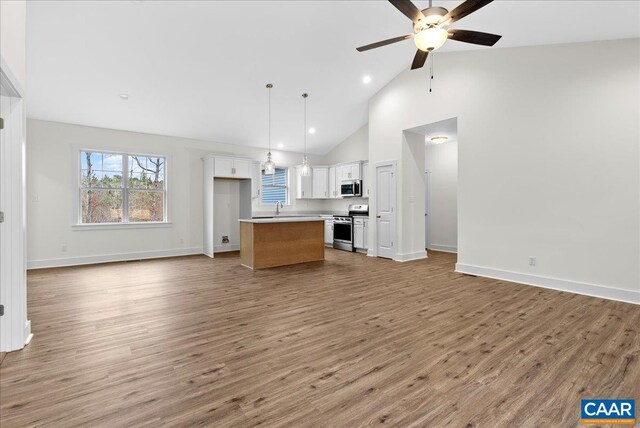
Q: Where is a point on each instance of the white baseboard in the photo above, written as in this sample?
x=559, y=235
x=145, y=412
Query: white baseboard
x=407, y=257
x=107, y=258
x=444, y=248
x=27, y=332
x=593, y=290
x=226, y=248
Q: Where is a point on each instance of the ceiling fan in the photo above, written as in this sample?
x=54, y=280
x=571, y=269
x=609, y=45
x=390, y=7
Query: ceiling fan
x=429, y=32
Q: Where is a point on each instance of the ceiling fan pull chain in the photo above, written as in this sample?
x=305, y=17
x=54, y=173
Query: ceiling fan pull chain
x=431, y=73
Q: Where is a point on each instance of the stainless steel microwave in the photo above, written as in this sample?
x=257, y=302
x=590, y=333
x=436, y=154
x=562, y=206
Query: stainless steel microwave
x=351, y=188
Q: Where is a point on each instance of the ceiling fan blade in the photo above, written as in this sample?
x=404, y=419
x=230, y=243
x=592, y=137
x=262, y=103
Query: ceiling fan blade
x=408, y=9
x=463, y=10
x=384, y=43
x=475, y=37
x=419, y=59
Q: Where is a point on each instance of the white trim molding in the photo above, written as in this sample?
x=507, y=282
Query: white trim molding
x=408, y=257
x=225, y=248
x=443, y=248
x=15, y=328
x=109, y=258
x=593, y=290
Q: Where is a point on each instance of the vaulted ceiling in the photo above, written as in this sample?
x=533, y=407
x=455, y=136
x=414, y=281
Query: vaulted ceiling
x=198, y=69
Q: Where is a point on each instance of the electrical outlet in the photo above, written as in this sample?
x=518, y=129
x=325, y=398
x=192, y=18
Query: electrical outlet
x=182, y=240
x=532, y=261
x=63, y=248
x=225, y=239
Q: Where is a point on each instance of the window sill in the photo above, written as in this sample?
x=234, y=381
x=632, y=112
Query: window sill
x=112, y=226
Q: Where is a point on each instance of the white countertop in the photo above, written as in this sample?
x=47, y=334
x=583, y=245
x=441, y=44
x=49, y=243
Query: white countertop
x=282, y=219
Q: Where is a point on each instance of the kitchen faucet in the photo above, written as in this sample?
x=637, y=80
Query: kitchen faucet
x=278, y=206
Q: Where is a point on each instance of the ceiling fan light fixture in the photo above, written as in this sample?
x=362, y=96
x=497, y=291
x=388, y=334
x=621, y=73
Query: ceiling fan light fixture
x=434, y=15
x=430, y=39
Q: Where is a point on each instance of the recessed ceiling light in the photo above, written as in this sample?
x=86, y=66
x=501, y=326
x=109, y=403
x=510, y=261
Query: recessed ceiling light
x=366, y=79
x=124, y=96
x=280, y=145
x=312, y=130
x=439, y=139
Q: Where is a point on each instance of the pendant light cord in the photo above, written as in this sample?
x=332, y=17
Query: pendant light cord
x=305, y=124
x=431, y=72
x=269, y=86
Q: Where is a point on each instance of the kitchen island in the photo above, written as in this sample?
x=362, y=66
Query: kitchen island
x=281, y=241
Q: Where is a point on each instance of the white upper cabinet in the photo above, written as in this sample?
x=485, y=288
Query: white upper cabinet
x=223, y=167
x=320, y=182
x=325, y=182
x=334, y=190
x=350, y=171
x=256, y=178
x=304, y=188
x=232, y=167
x=242, y=168
x=365, y=179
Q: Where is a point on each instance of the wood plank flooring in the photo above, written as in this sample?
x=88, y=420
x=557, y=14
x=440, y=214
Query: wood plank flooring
x=351, y=341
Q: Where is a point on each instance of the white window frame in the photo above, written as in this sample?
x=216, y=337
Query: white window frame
x=288, y=189
x=125, y=224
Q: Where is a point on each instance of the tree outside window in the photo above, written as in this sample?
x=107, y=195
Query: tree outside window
x=109, y=196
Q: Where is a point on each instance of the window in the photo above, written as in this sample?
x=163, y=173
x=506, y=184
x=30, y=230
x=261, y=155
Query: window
x=275, y=187
x=122, y=188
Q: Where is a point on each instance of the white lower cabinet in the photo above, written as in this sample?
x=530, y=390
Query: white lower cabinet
x=360, y=227
x=366, y=234
x=328, y=232
x=358, y=233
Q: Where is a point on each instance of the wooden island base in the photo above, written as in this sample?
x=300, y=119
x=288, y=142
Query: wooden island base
x=270, y=244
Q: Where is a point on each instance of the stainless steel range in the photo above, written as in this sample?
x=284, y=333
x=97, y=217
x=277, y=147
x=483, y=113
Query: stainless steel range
x=343, y=227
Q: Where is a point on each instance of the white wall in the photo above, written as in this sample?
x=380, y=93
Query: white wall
x=354, y=148
x=15, y=328
x=548, y=158
x=50, y=193
x=13, y=36
x=442, y=162
x=411, y=196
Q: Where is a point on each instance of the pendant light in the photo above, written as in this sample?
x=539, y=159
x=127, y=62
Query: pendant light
x=269, y=165
x=306, y=168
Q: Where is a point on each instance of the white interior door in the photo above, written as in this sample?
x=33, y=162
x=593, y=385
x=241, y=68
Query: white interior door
x=386, y=210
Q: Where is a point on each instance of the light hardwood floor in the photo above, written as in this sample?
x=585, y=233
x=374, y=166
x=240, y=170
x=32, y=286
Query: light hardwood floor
x=341, y=343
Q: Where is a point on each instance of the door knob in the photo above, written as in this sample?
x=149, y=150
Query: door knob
x=377, y=216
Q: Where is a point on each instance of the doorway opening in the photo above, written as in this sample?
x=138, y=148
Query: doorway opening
x=441, y=184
